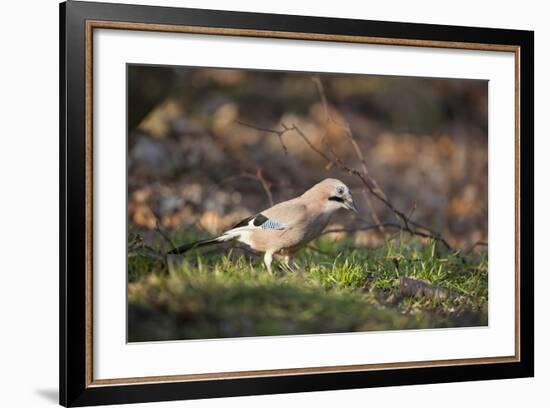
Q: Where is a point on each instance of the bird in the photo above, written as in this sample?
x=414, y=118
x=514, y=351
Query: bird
x=288, y=226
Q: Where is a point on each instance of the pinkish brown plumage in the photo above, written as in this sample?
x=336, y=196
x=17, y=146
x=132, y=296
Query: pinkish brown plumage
x=287, y=226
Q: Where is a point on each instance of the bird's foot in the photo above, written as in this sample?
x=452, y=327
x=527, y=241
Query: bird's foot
x=289, y=266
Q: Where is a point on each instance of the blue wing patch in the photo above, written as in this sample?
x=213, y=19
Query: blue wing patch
x=273, y=225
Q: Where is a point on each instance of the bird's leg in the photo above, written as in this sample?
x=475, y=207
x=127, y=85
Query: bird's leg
x=268, y=257
x=286, y=262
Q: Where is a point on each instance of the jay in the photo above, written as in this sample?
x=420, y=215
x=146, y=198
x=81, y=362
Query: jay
x=286, y=227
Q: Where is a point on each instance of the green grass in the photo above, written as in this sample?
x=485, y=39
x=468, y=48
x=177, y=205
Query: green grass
x=337, y=288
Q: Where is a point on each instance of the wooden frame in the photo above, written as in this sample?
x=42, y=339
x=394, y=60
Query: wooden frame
x=77, y=385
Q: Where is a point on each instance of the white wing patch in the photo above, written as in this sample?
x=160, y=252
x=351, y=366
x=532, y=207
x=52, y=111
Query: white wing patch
x=256, y=222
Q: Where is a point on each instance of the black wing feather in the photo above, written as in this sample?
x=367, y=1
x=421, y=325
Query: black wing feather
x=243, y=223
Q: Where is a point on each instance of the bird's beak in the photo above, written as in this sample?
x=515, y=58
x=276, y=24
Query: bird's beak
x=350, y=205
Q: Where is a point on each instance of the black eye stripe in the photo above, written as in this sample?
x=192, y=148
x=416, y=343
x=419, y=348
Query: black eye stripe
x=335, y=198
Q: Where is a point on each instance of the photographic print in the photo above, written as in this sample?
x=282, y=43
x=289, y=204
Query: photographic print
x=284, y=203
x=263, y=204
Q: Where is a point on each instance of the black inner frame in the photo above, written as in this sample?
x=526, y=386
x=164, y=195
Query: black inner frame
x=73, y=391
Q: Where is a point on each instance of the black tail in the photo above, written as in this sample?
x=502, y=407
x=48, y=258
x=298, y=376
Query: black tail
x=184, y=248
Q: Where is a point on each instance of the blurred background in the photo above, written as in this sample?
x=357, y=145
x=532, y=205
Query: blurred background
x=195, y=163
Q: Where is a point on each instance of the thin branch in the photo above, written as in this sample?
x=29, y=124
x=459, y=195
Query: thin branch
x=363, y=228
x=421, y=289
x=413, y=209
x=347, y=130
x=259, y=177
x=159, y=229
x=310, y=144
x=475, y=244
x=276, y=132
x=371, y=208
x=266, y=185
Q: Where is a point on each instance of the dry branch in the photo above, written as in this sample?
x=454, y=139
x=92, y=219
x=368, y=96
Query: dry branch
x=347, y=131
x=266, y=185
x=474, y=245
x=163, y=234
x=259, y=177
x=363, y=228
x=279, y=134
x=421, y=289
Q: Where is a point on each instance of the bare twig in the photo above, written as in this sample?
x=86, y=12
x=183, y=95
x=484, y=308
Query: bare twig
x=276, y=132
x=474, y=245
x=136, y=246
x=347, y=130
x=266, y=185
x=413, y=209
x=373, y=213
x=364, y=228
x=422, y=289
x=159, y=229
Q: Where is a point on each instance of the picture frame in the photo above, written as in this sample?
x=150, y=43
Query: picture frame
x=79, y=21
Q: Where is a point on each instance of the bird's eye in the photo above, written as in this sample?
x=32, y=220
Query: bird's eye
x=340, y=190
